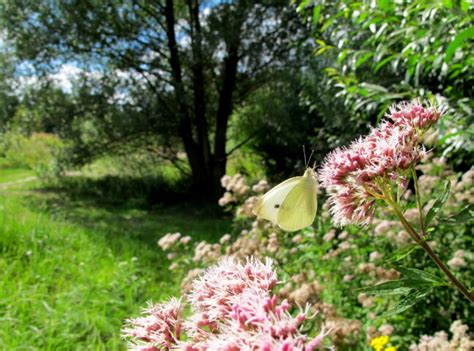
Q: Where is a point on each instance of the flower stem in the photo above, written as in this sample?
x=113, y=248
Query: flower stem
x=418, y=202
x=420, y=241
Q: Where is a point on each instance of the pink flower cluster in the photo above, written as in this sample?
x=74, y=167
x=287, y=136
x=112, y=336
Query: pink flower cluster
x=159, y=329
x=353, y=175
x=232, y=309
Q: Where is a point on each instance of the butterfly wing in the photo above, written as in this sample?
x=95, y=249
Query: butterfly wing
x=298, y=210
x=269, y=204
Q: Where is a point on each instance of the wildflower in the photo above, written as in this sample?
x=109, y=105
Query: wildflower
x=225, y=238
x=375, y=256
x=232, y=308
x=185, y=240
x=379, y=342
x=348, y=278
x=457, y=263
x=412, y=214
x=414, y=114
x=460, y=341
x=354, y=176
x=168, y=240
x=386, y=329
x=160, y=327
x=297, y=238
x=260, y=187
x=329, y=235
x=343, y=235
x=227, y=198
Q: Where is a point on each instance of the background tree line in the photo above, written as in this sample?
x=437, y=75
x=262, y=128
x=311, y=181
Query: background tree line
x=212, y=77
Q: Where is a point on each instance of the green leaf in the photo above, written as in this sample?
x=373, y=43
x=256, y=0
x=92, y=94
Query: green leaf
x=328, y=23
x=437, y=206
x=465, y=4
x=463, y=216
x=302, y=5
x=448, y=3
x=362, y=59
x=412, y=273
x=342, y=56
x=384, y=5
x=374, y=87
x=316, y=14
x=403, y=252
x=396, y=287
x=408, y=301
x=457, y=42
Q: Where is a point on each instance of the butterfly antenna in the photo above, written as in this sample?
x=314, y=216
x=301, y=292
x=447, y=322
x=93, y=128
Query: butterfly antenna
x=309, y=159
x=304, y=155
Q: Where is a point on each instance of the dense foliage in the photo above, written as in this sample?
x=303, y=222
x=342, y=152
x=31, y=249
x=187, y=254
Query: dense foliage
x=389, y=51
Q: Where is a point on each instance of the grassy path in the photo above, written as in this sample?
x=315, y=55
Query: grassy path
x=7, y=185
x=72, y=270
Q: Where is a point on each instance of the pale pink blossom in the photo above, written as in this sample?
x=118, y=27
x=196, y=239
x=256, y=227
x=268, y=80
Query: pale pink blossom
x=460, y=340
x=414, y=114
x=160, y=328
x=386, y=329
x=353, y=175
x=232, y=309
x=457, y=262
x=168, y=240
x=224, y=239
x=375, y=256
x=185, y=240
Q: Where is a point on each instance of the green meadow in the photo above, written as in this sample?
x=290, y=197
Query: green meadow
x=73, y=268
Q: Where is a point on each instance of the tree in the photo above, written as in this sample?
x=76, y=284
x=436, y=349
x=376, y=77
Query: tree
x=293, y=111
x=196, y=60
x=383, y=52
x=8, y=100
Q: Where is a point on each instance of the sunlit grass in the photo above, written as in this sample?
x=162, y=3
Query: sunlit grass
x=9, y=175
x=71, y=270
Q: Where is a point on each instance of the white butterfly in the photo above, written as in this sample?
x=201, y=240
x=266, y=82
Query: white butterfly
x=292, y=204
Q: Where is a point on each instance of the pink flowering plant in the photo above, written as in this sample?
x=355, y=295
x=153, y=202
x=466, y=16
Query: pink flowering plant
x=375, y=171
x=232, y=308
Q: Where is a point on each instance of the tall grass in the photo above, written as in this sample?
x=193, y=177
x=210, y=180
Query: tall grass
x=71, y=271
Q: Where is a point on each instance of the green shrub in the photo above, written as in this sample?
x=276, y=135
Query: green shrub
x=37, y=151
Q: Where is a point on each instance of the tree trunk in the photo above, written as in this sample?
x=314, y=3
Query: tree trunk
x=199, y=86
x=202, y=179
x=223, y=114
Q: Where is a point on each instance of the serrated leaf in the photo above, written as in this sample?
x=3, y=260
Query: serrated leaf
x=437, y=206
x=396, y=287
x=408, y=301
x=417, y=274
